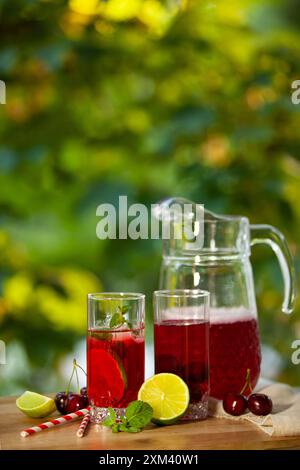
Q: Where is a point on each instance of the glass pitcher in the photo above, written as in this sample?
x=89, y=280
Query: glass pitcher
x=222, y=266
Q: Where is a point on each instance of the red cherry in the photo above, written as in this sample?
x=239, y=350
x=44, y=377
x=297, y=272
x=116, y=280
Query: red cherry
x=84, y=394
x=74, y=403
x=260, y=404
x=235, y=404
x=60, y=401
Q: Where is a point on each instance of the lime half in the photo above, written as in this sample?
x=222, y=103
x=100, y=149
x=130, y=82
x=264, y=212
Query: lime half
x=168, y=395
x=35, y=405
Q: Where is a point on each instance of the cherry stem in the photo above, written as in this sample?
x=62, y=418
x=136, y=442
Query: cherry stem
x=81, y=368
x=68, y=387
x=247, y=383
x=77, y=380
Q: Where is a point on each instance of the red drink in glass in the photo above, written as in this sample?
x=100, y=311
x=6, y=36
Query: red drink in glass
x=115, y=366
x=234, y=348
x=115, y=351
x=181, y=342
x=181, y=347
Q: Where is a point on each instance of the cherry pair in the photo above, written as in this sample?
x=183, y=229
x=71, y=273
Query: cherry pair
x=258, y=403
x=236, y=404
x=69, y=402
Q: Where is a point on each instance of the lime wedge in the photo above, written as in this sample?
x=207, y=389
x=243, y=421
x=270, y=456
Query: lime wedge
x=168, y=395
x=35, y=405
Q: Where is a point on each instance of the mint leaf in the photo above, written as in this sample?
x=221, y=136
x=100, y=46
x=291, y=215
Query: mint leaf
x=126, y=428
x=115, y=428
x=116, y=320
x=124, y=309
x=107, y=422
x=123, y=427
x=111, y=413
x=133, y=429
x=110, y=420
x=138, y=414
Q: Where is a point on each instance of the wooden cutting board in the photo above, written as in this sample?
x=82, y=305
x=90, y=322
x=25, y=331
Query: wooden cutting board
x=209, y=434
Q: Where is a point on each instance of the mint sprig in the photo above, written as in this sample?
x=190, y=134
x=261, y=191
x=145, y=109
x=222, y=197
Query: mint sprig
x=138, y=414
x=119, y=319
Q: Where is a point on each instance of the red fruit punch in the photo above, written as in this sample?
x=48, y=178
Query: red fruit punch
x=182, y=349
x=115, y=366
x=234, y=347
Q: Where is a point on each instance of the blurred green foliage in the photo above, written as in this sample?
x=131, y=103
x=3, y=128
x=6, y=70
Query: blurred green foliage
x=150, y=99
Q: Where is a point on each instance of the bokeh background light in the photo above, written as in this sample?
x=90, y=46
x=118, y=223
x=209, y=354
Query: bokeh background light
x=150, y=99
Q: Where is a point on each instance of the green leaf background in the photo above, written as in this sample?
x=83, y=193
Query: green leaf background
x=148, y=100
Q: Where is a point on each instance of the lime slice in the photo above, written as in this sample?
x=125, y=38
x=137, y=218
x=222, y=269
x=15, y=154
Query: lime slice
x=35, y=405
x=107, y=378
x=168, y=395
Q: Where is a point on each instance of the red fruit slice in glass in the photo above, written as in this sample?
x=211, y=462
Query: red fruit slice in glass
x=107, y=378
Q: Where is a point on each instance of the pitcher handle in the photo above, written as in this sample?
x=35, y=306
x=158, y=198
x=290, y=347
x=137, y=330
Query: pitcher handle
x=269, y=235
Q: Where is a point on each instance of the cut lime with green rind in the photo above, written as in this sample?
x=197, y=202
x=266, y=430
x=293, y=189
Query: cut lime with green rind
x=168, y=395
x=35, y=405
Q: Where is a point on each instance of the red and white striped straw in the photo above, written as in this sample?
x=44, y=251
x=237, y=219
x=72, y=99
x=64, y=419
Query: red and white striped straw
x=55, y=422
x=84, y=424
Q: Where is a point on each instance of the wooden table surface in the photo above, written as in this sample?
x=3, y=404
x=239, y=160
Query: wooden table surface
x=209, y=434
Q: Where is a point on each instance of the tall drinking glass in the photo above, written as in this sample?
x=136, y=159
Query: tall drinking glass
x=115, y=351
x=181, y=342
